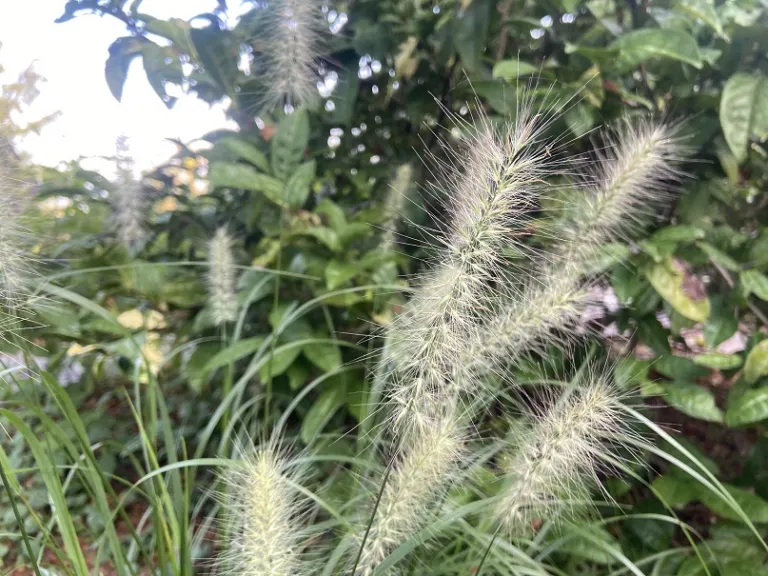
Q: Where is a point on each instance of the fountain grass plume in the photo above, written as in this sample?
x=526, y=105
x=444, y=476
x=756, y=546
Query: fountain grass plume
x=395, y=202
x=222, y=278
x=631, y=177
x=129, y=207
x=16, y=258
x=291, y=37
x=560, y=455
x=492, y=181
x=424, y=471
x=264, y=515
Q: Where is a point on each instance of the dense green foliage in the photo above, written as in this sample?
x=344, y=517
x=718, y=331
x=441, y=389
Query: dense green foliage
x=140, y=393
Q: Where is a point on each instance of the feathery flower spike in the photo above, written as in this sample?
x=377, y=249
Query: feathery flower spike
x=630, y=179
x=265, y=514
x=222, y=278
x=560, y=455
x=292, y=37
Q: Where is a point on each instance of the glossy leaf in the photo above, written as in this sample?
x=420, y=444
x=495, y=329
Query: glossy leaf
x=744, y=111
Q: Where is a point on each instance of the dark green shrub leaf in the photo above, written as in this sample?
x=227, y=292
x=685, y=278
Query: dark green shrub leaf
x=748, y=407
x=323, y=409
x=289, y=143
x=718, y=361
x=297, y=188
x=744, y=111
x=757, y=362
x=754, y=282
x=693, y=400
x=639, y=46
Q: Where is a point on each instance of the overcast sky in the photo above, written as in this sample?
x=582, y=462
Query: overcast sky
x=71, y=56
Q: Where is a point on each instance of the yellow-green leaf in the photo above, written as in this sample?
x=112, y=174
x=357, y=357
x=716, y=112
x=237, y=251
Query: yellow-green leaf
x=748, y=407
x=680, y=289
x=757, y=362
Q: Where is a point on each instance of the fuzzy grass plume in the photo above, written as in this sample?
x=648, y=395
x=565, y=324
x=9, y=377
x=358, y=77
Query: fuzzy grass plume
x=129, y=206
x=16, y=261
x=291, y=36
x=629, y=180
x=393, y=207
x=265, y=516
x=222, y=278
x=492, y=181
x=419, y=480
x=560, y=455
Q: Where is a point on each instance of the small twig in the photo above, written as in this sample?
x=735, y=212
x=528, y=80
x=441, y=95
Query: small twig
x=504, y=34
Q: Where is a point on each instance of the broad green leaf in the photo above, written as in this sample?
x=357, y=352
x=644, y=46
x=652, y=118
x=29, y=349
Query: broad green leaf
x=344, y=97
x=233, y=353
x=753, y=506
x=693, y=400
x=511, y=69
x=297, y=373
x=603, y=57
x=756, y=365
x=676, y=491
x=298, y=186
x=338, y=273
x=581, y=118
x=748, y=407
x=228, y=175
x=244, y=150
x=174, y=29
x=744, y=111
x=121, y=53
x=680, y=289
x=289, y=143
x=642, y=45
x=470, y=29
x=281, y=360
x=677, y=233
x=196, y=365
x=333, y=213
x=323, y=234
x=324, y=355
x=589, y=541
x=162, y=67
x=323, y=410
x=703, y=10
x=754, y=282
x=718, y=361
x=719, y=257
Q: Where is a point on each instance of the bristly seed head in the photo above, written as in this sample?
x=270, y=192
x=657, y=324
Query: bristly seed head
x=492, y=181
x=291, y=38
x=265, y=516
x=560, y=454
x=222, y=278
x=421, y=477
x=632, y=175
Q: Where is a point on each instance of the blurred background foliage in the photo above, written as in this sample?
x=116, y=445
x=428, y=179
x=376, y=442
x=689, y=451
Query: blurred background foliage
x=305, y=193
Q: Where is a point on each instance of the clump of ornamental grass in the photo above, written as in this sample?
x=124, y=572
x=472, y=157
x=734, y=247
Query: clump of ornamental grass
x=222, y=278
x=492, y=181
x=561, y=453
x=289, y=42
x=264, y=530
x=129, y=201
x=458, y=328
